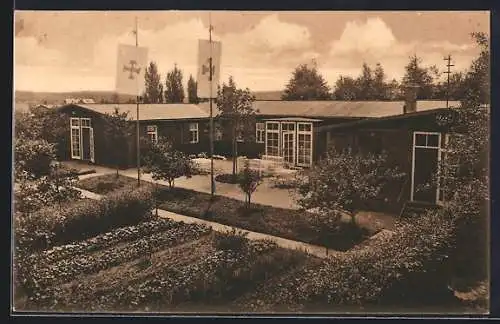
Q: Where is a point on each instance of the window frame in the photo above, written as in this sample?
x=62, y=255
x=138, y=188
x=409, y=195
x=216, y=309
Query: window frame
x=194, y=128
x=154, y=132
x=260, y=134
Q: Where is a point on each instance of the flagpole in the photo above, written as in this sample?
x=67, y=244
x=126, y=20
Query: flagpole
x=137, y=128
x=212, y=183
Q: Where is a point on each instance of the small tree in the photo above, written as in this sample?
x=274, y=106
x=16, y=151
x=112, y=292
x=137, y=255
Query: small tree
x=306, y=84
x=168, y=164
x=236, y=112
x=118, y=131
x=344, y=181
x=248, y=181
x=174, y=90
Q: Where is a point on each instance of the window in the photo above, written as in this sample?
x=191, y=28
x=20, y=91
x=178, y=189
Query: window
x=75, y=138
x=193, y=133
x=85, y=122
x=239, y=134
x=218, y=133
x=152, y=132
x=272, y=139
x=426, y=140
x=304, y=143
x=260, y=132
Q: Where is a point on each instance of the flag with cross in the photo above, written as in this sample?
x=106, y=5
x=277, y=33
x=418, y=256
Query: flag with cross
x=131, y=65
x=209, y=54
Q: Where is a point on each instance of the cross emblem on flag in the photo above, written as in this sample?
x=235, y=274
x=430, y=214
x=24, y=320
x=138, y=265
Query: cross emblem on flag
x=209, y=54
x=132, y=69
x=131, y=65
x=205, y=69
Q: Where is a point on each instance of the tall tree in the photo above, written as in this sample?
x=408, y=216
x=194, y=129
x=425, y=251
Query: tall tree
x=174, y=90
x=152, y=93
x=468, y=148
x=379, y=85
x=420, y=76
x=365, y=83
x=346, y=88
x=306, y=84
x=236, y=113
x=192, y=90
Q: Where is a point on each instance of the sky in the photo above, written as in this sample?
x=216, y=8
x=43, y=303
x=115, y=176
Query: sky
x=72, y=51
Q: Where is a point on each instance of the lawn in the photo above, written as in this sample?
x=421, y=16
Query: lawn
x=291, y=224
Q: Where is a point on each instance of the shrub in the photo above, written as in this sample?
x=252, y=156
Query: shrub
x=33, y=158
x=332, y=230
x=82, y=219
x=55, y=188
x=233, y=240
x=407, y=267
x=168, y=164
x=345, y=181
x=248, y=181
x=227, y=178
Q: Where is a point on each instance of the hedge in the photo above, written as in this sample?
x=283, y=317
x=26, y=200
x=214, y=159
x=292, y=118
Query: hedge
x=56, y=225
x=407, y=268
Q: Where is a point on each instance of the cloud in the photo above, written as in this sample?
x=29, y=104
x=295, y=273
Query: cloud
x=269, y=44
x=373, y=41
x=372, y=36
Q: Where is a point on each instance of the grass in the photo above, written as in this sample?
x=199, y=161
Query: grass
x=291, y=224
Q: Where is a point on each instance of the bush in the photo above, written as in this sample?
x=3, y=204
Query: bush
x=408, y=267
x=227, y=178
x=82, y=219
x=248, y=181
x=345, y=180
x=234, y=240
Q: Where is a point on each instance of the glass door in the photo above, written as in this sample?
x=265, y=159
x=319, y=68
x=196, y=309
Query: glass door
x=289, y=148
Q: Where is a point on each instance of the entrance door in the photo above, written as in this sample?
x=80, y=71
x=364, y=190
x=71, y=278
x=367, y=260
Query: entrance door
x=82, y=139
x=289, y=148
x=426, y=156
x=86, y=143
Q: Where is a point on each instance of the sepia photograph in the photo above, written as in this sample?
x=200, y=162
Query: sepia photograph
x=251, y=162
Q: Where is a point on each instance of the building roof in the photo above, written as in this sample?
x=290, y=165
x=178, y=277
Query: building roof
x=378, y=120
x=294, y=119
x=339, y=109
x=151, y=111
x=273, y=109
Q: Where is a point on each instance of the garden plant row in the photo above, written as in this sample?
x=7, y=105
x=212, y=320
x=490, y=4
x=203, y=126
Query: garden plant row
x=40, y=276
x=102, y=241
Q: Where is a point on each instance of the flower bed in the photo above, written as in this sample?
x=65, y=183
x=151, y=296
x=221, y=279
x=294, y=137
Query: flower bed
x=291, y=224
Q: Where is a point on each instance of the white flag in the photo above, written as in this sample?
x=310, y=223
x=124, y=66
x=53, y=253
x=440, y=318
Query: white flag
x=205, y=52
x=131, y=66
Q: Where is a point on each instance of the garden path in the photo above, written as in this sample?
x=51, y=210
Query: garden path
x=315, y=250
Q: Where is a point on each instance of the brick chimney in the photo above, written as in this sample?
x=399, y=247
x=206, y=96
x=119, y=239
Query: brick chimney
x=410, y=94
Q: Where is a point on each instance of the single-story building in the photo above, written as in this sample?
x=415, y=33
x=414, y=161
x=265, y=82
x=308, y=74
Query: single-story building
x=414, y=141
x=295, y=131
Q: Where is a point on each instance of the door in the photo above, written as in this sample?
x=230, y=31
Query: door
x=86, y=155
x=426, y=156
x=289, y=148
